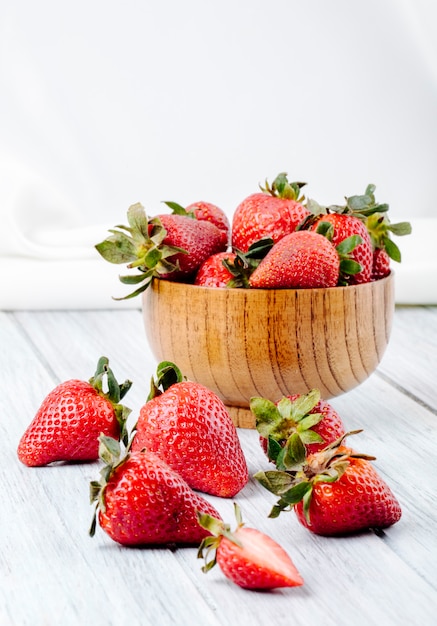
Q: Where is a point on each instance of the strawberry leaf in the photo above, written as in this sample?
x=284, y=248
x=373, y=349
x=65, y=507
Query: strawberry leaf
x=274, y=481
x=392, y=249
x=292, y=454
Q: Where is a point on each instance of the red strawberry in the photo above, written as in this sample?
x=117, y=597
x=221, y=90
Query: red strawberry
x=247, y=556
x=211, y=213
x=166, y=246
x=189, y=427
x=68, y=423
x=302, y=259
x=272, y=213
x=199, y=238
x=232, y=269
x=333, y=492
x=205, y=211
x=140, y=500
x=213, y=273
x=314, y=420
x=343, y=227
x=380, y=264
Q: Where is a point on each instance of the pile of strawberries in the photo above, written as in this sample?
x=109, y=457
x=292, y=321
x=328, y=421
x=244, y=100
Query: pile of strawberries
x=277, y=239
x=183, y=445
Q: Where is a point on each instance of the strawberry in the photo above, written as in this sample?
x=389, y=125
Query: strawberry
x=140, y=500
x=205, y=211
x=232, y=269
x=374, y=217
x=189, y=427
x=334, y=492
x=213, y=272
x=301, y=259
x=67, y=425
x=343, y=227
x=165, y=246
x=380, y=264
x=272, y=213
x=313, y=419
x=248, y=557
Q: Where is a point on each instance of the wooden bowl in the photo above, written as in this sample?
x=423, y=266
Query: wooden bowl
x=270, y=342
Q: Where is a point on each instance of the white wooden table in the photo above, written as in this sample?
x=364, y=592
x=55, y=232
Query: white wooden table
x=53, y=573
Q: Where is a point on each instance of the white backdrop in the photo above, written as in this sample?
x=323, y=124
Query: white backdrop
x=104, y=103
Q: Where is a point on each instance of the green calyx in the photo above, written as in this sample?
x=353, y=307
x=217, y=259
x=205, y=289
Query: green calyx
x=139, y=245
x=110, y=452
x=294, y=481
x=167, y=374
x=360, y=206
x=380, y=229
x=178, y=209
x=245, y=263
x=281, y=188
x=375, y=217
x=114, y=394
x=348, y=266
x=218, y=529
x=279, y=422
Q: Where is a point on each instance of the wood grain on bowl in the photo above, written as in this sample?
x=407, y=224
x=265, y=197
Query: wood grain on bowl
x=259, y=342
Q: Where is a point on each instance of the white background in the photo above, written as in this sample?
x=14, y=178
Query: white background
x=108, y=103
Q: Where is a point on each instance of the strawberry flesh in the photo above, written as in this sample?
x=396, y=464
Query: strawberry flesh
x=258, y=563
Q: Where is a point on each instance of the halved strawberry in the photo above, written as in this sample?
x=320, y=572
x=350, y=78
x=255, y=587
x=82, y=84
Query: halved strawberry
x=248, y=557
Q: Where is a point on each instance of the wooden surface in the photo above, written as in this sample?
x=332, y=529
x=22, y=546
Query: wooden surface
x=53, y=573
x=270, y=342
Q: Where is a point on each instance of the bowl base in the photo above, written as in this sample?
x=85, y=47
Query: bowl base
x=242, y=417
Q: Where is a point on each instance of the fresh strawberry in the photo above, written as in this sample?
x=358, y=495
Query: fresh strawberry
x=166, y=246
x=213, y=273
x=248, y=557
x=189, y=427
x=313, y=419
x=380, y=264
x=301, y=259
x=140, y=500
x=334, y=492
x=68, y=423
x=199, y=238
x=343, y=227
x=374, y=216
x=232, y=269
x=272, y=213
x=205, y=211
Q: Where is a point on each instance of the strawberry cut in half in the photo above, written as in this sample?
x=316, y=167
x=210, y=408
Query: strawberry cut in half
x=248, y=557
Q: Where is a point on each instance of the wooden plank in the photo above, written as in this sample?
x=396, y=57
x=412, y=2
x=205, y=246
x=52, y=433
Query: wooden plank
x=410, y=360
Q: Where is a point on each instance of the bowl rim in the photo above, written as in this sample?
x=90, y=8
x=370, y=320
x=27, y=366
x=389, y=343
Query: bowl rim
x=254, y=290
